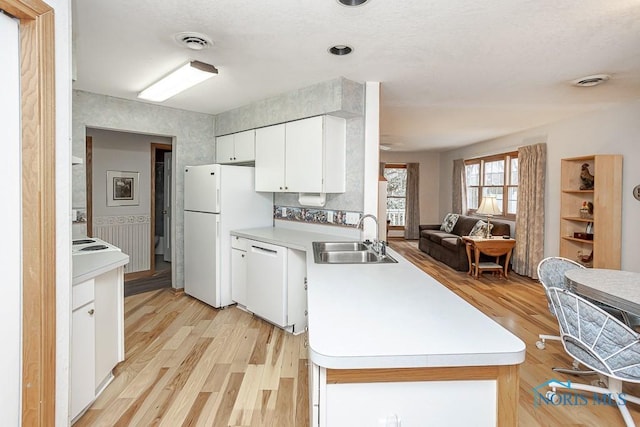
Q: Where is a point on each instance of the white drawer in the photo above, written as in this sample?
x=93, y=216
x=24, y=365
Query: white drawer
x=82, y=294
x=239, y=243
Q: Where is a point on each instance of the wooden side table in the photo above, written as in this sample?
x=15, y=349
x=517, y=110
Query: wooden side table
x=493, y=246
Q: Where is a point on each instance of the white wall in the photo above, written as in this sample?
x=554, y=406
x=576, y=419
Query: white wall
x=10, y=304
x=121, y=151
x=429, y=180
x=192, y=139
x=612, y=131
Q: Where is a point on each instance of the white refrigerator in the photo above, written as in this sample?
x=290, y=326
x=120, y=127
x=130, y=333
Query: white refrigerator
x=218, y=199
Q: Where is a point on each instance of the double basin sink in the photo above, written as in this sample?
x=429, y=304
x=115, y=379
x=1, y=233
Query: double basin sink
x=348, y=253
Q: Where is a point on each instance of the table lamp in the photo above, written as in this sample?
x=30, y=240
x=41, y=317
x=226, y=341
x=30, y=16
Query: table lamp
x=488, y=207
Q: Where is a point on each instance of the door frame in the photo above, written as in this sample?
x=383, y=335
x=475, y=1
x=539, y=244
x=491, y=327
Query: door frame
x=164, y=147
x=38, y=115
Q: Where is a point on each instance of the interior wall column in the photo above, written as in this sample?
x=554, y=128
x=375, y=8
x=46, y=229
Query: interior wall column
x=371, y=154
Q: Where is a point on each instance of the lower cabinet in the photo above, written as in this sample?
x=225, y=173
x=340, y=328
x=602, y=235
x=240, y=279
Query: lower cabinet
x=269, y=280
x=398, y=402
x=239, y=270
x=83, y=348
x=97, y=336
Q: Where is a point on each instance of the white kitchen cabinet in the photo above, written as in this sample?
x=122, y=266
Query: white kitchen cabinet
x=83, y=348
x=275, y=284
x=270, y=147
x=97, y=334
x=239, y=270
x=109, y=324
x=401, y=403
x=236, y=147
x=303, y=156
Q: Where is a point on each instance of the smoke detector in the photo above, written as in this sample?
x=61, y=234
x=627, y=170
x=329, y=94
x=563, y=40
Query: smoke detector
x=193, y=41
x=589, y=81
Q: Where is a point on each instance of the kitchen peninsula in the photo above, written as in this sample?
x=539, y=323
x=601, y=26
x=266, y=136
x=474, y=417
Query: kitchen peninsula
x=389, y=344
x=97, y=319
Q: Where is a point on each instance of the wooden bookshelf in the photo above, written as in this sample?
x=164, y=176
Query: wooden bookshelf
x=606, y=197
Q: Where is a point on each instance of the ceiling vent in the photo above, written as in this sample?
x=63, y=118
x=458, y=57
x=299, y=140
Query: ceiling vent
x=194, y=41
x=589, y=81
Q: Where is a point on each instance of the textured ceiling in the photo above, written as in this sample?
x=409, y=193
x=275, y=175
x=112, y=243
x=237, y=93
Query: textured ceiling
x=453, y=72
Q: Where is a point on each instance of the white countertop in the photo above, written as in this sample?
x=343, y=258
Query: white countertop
x=390, y=315
x=91, y=264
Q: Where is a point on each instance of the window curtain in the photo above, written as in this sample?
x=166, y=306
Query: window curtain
x=529, y=249
x=459, y=188
x=412, y=209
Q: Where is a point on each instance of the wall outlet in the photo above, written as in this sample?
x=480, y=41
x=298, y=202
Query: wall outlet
x=352, y=218
x=284, y=212
x=330, y=216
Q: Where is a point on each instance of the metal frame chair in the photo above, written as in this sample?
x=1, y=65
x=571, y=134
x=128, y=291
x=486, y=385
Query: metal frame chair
x=551, y=275
x=600, y=341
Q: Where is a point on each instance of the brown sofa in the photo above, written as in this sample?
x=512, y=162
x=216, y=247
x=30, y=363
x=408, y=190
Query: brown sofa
x=449, y=247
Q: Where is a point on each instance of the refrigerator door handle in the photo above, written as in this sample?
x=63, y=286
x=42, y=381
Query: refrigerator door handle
x=218, y=198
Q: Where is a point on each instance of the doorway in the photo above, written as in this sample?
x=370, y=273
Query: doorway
x=161, y=214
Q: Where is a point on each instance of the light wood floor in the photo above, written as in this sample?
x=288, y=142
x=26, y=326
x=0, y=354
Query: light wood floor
x=190, y=365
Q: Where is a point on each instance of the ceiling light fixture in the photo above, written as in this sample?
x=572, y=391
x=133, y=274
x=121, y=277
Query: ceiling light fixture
x=188, y=75
x=340, y=50
x=352, y=2
x=589, y=81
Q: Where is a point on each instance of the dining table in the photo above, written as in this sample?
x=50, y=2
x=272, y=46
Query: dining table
x=617, y=288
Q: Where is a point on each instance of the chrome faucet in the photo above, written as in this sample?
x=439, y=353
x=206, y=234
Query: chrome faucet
x=378, y=246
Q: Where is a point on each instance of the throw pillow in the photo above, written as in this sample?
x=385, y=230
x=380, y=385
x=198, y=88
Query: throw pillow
x=480, y=229
x=449, y=222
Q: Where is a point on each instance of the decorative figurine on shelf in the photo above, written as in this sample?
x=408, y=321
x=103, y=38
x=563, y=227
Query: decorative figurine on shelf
x=586, y=178
x=586, y=210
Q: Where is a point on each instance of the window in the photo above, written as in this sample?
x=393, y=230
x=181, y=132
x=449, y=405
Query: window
x=494, y=175
x=396, y=176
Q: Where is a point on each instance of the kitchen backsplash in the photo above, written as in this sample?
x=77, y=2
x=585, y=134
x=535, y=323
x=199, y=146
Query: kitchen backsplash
x=317, y=216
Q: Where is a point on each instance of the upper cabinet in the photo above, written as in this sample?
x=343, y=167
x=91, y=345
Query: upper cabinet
x=591, y=210
x=304, y=156
x=236, y=147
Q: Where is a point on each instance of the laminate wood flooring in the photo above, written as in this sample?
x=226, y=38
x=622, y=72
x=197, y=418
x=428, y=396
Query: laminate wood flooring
x=188, y=364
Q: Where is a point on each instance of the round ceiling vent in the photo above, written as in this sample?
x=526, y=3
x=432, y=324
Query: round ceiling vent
x=589, y=81
x=340, y=50
x=352, y=2
x=194, y=41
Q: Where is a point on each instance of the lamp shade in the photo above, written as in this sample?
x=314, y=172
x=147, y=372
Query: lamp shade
x=188, y=75
x=489, y=206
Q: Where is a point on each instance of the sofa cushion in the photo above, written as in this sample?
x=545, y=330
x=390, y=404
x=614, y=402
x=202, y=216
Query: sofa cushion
x=436, y=236
x=449, y=222
x=464, y=225
x=480, y=229
x=451, y=243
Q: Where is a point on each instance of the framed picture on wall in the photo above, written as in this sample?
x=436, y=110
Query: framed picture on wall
x=122, y=188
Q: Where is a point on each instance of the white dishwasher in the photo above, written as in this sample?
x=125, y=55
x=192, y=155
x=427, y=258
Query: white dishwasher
x=267, y=282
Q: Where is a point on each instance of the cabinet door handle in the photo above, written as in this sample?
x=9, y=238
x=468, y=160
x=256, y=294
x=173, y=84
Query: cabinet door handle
x=281, y=188
x=91, y=312
x=242, y=255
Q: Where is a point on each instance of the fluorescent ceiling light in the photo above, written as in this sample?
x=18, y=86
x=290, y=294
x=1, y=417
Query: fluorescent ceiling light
x=190, y=74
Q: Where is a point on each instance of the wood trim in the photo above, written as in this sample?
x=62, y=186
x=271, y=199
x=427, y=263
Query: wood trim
x=89, y=183
x=471, y=373
x=152, y=251
x=37, y=74
x=507, y=382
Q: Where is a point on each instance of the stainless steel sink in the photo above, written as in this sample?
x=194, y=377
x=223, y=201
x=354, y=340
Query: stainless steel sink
x=348, y=253
x=340, y=246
